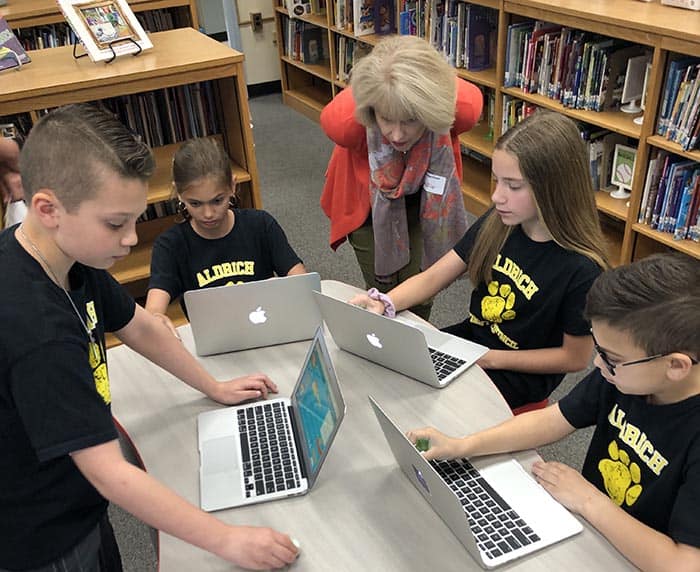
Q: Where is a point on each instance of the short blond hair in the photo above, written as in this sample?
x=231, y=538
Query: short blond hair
x=405, y=78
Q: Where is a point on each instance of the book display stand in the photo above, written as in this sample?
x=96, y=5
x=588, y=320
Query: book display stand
x=111, y=47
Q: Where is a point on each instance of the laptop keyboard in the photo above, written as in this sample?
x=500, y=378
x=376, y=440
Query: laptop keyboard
x=445, y=364
x=267, y=446
x=498, y=529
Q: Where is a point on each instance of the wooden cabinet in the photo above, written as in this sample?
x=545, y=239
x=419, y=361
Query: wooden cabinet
x=662, y=30
x=180, y=59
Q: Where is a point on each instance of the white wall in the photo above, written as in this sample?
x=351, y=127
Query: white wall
x=260, y=49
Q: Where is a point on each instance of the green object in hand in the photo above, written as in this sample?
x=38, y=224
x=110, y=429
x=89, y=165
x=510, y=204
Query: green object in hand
x=422, y=444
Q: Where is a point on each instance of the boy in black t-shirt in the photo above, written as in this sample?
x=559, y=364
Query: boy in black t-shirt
x=641, y=477
x=85, y=182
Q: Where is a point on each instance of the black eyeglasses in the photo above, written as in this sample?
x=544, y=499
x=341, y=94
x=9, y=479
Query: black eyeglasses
x=611, y=366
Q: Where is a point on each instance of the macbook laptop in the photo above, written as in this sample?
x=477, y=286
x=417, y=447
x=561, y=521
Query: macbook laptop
x=274, y=448
x=494, y=507
x=421, y=352
x=253, y=314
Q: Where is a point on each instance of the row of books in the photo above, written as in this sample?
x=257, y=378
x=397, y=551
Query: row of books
x=169, y=115
x=579, y=69
x=159, y=210
x=679, y=116
x=48, y=36
x=349, y=52
x=464, y=33
x=303, y=7
x=671, y=198
x=514, y=111
x=163, y=19
x=600, y=143
x=303, y=41
x=161, y=117
x=364, y=17
x=412, y=18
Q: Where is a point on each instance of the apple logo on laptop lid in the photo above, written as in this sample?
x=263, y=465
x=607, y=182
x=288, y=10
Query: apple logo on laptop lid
x=257, y=316
x=374, y=340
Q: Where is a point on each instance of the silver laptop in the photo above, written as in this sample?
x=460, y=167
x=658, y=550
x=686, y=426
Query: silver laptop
x=253, y=314
x=494, y=507
x=421, y=352
x=274, y=448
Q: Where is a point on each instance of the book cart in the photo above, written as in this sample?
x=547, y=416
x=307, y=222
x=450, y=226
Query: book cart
x=665, y=33
x=188, y=85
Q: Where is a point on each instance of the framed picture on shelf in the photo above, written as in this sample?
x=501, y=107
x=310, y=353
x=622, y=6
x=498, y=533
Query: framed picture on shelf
x=107, y=28
x=622, y=171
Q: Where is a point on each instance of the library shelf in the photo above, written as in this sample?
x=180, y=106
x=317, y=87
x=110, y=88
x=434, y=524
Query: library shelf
x=662, y=31
x=55, y=78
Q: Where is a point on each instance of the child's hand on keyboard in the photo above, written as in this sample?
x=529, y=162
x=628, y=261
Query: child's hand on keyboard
x=253, y=386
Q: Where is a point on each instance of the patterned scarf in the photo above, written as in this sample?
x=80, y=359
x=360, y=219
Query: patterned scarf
x=429, y=164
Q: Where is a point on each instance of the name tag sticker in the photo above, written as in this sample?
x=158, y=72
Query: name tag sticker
x=434, y=184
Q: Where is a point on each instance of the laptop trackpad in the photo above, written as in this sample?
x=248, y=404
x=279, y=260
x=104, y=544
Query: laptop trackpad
x=220, y=456
x=220, y=478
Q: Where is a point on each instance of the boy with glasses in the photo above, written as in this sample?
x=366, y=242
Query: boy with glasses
x=640, y=483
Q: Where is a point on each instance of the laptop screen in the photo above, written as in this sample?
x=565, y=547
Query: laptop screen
x=318, y=404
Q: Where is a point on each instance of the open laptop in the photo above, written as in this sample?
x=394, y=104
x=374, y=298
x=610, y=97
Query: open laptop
x=253, y=314
x=274, y=448
x=493, y=506
x=421, y=352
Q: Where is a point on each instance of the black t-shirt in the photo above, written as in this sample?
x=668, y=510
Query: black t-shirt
x=255, y=249
x=645, y=457
x=537, y=293
x=54, y=399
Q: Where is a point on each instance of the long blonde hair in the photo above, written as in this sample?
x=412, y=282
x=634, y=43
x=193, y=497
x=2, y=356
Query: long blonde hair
x=552, y=158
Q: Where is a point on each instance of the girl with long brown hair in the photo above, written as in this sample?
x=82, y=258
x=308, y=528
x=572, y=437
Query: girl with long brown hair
x=531, y=258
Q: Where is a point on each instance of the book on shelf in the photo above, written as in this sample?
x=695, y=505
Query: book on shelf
x=349, y=52
x=363, y=17
x=688, y=197
x=12, y=54
x=384, y=17
x=311, y=45
x=479, y=34
x=412, y=18
x=675, y=86
x=296, y=8
x=651, y=184
x=46, y=36
x=106, y=28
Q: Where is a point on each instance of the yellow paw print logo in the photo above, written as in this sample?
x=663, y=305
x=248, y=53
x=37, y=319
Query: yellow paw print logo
x=102, y=383
x=620, y=476
x=498, y=306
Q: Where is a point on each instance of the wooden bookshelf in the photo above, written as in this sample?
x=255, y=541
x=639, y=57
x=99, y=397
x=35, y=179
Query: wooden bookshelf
x=55, y=78
x=663, y=30
x=31, y=13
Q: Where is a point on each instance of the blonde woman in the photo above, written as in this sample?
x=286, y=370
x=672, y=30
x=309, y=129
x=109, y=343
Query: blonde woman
x=532, y=258
x=393, y=182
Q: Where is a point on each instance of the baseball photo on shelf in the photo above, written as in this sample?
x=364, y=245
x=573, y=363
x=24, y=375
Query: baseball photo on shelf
x=622, y=171
x=106, y=28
